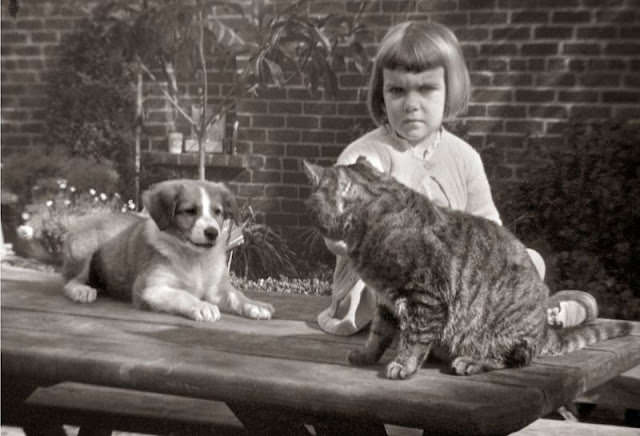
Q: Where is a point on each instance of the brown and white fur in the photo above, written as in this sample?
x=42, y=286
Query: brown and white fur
x=173, y=262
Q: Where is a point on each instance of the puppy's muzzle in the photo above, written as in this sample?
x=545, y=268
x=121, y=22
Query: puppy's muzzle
x=211, y=233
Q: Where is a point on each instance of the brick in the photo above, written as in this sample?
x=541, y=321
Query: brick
x=631, y=32
x=534, y=95
x=506, y=111
x=286, y=220
x=293, y=206
x=302, y=122
x=599, y=79
x=472, y=34
x=320, y=108
x=43, y=37
x=306, y=151
x=13, y=37
x=282, y=107
x=581, y=96
x=555, y=79
x=352, y=80
x=614, y=16
x=451, y=19
x=620, y=97
x=599, y=32
x=249, y=190
x=281, y=191
x=571, y=17
x=498, y=49
x=530, y=17
x=539, y=49
x=267, y=121
x=266, y=177
x=511, y=33
x=436, y=5
x=553, y=32
x=268, y=149
x=581, y=49
x=318, y=136
x=491, y=95
x=529, y=126
x=336, y=123
x=548, y=111
x=622, y=113
x=477, y=4
x=590, y=112
x=625, y=48
x=485, y=125
x=283, y=135
x=493, y=17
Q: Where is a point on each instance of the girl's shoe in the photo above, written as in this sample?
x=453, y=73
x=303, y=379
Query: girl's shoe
x=570, y=308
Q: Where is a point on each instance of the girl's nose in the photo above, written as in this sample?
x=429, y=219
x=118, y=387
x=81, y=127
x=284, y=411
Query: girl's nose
x=410, y=103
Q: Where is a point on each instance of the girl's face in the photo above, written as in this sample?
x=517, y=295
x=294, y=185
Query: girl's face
x=414, y=102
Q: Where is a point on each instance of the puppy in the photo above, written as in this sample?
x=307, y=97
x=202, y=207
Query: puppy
x=174, y=261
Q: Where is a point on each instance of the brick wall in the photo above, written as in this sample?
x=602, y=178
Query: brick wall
x=534, y=65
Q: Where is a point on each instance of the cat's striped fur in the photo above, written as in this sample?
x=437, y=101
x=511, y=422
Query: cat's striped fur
x=442, y=277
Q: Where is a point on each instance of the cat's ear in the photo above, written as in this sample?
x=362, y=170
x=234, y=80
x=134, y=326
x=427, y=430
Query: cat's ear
x=313, y=172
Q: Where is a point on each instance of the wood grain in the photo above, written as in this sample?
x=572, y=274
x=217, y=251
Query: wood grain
x=285, y=363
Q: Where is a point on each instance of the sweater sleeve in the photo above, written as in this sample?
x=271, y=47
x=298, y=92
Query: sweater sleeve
x=479, y=199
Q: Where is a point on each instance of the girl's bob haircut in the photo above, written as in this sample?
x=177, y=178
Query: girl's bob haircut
x=417, y=47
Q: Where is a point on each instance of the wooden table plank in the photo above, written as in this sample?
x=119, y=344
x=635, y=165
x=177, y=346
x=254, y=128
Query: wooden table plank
x=286, y=362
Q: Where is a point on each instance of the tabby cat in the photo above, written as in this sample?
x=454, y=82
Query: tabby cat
x=442, y=277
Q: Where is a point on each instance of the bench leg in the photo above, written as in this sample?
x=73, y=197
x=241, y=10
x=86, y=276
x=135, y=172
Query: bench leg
x=348, y=427
x=92, y=431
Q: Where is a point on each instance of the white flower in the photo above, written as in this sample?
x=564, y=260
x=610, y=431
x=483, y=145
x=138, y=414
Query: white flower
x=25, y=232
x=116, y=195
x=131, y=205
x=92, y=192
x=67, y=202
x=62, y=183
x=25, y=216
x=123, y=209
x=49, y=203
x=72, y=189
x=103, y=196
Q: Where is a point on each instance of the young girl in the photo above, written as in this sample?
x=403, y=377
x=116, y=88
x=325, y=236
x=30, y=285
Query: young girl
x=420, y=79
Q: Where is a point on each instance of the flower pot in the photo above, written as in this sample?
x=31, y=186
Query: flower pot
x=175, y=142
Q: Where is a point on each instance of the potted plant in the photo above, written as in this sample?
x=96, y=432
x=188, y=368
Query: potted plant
x=266, y=46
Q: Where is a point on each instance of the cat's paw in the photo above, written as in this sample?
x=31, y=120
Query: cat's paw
x=204, y=311
x=397, y=371
x=465, y=365
x=360, y=358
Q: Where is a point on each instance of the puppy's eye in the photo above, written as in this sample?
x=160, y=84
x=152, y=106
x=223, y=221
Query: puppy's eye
x=216, y=211
x=188, y=211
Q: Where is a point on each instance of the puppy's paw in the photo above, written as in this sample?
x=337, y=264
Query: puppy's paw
x=465, y=365
x=258, y=310
x=80, y=293
x=204, y=311
x=397, y=371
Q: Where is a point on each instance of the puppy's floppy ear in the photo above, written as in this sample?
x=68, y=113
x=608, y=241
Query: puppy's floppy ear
x=160, y=201
x=229, y=204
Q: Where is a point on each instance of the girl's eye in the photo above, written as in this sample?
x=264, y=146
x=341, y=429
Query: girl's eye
x=395, y=90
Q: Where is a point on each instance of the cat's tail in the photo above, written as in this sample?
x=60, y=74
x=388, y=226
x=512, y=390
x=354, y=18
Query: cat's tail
x=566, y=340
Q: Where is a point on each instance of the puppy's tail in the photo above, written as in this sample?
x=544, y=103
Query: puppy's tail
x=86, y=235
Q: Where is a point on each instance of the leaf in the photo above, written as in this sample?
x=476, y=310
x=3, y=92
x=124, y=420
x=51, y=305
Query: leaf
x=226, y=37
x=275, y=71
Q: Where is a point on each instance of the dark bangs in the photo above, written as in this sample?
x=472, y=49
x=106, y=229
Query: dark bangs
x=414, y=52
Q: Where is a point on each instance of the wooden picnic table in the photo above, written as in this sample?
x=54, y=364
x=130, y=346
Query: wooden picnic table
x=286, y=366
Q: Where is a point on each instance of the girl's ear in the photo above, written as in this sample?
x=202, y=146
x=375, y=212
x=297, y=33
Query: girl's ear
x=313, y=172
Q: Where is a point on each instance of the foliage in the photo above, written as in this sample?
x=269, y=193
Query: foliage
x=264, y=253
x=33, y=174
x=284, y=285
x=46, y=223
x=181, y=38
x=579, y=205
x=89, y=106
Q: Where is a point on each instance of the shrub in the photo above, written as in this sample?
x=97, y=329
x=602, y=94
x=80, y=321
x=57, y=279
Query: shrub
x=264, y=253
x=46, y=223
x=90, y=101
x=577, y=205
x=33, y=175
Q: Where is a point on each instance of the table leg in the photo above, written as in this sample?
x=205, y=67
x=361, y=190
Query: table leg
x=15, y=413
x=259, y=420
